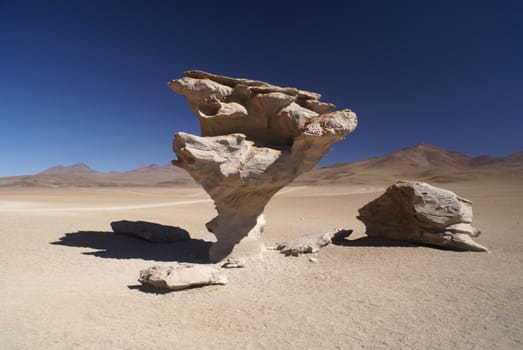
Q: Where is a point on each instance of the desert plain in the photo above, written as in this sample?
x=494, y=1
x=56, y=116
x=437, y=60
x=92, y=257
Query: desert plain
x=68, y=282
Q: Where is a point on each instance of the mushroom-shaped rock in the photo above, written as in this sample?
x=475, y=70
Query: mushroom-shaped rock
x=420, y=213
x=182, y=276
x=256, y=138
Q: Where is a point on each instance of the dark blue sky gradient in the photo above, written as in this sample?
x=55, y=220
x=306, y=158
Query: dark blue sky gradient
x=86, y=80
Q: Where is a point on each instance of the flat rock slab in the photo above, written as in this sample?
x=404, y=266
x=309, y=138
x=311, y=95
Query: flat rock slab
x=420, y=213
x=311, y=243
x=182, y=276
x=150, y=231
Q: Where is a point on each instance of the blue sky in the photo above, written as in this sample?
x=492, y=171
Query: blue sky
x=85, y=81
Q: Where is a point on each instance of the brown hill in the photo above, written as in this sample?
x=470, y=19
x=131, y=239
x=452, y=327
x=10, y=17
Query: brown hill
x=80, y=175
x=422, y=162
x=514, y=160
x=79, y=168
x=152, y=175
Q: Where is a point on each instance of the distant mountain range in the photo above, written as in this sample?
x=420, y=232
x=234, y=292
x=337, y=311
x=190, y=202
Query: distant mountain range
x=81, y=175
x=422, y=162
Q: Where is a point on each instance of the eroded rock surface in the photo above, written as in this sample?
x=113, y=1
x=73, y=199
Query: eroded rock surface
x=420, y=213
x=150, y=231
x=256, y=138
x=312, y=243
x=181, y=276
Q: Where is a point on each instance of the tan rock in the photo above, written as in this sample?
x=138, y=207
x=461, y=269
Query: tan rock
x=312, y=243
x=256, y=138
x=318, y=107
x=293, y=118
x=420, y=213
x=182, y=276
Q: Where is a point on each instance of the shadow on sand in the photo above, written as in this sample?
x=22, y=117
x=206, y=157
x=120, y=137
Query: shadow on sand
x=389, y=243
x=372, y=242
x=117, y=246
x=144, y=288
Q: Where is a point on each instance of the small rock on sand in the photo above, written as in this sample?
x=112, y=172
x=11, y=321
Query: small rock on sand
x=181, y=276
x=311, y=243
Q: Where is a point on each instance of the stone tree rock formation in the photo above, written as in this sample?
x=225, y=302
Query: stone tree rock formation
x=420, y=213
x=256, y=138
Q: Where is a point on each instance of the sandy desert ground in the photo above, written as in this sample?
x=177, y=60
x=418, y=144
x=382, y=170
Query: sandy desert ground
x=66, y=282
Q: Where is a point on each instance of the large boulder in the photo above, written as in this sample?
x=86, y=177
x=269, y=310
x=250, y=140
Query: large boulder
x=256, y=138
x=420, y=213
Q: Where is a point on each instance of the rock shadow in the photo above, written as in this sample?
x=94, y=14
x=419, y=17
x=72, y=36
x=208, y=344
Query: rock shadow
x=144, y=288
x=383, y=242
x=110, y=245
x=372, y=242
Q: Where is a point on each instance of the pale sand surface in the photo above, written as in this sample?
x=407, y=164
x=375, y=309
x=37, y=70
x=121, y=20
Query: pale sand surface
x=83, y=293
